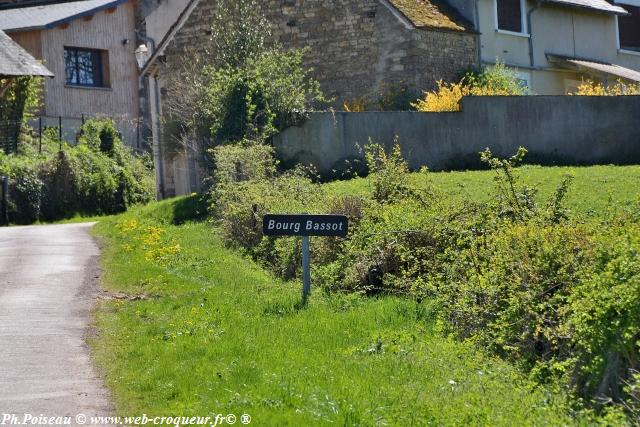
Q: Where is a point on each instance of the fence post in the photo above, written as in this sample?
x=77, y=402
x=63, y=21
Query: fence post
x=4, y=202
x=39, y=134
x=60, y=132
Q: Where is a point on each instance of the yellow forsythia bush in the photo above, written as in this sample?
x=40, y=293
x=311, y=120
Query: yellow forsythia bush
x=591, y=88
x=497, y=80
x=446, y=98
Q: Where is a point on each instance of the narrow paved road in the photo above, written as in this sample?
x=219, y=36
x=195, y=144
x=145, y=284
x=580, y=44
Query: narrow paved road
x=47, y=287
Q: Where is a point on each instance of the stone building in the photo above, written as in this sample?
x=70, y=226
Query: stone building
x=357, y=49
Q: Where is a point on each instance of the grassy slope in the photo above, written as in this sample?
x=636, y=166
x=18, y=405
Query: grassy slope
x=218, y=334
x=590, y=194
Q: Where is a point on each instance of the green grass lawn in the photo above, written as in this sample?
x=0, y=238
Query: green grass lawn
x=195, y=329
x=593, y=189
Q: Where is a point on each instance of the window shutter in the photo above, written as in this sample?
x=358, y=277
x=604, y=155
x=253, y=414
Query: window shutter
x=510, y=15
x=629, y=27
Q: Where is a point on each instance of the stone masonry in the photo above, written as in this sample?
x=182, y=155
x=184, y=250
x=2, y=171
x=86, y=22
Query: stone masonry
x=357, y=48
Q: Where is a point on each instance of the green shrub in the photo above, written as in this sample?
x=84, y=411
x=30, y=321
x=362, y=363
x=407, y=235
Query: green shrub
x=240, y=208
x=20, y=99
x=269, y=93
x=108, y=135
x=389, y=172
x=238, y=88
x=604, y=316
x=509, y=289
x=25, y=192
x=521, y=279
x=98, y=176
x=246, y=188
x=61, y=190
x=243, y=162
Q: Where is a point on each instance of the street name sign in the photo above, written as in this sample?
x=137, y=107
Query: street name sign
x=305, y=226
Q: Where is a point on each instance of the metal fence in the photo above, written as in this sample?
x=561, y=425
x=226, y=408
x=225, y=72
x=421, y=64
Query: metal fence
x=133, y=131
x=9, y=135
x=4, y=200
x=67, y=129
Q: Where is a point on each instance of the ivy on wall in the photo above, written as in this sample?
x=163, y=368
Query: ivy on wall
x=19, y=99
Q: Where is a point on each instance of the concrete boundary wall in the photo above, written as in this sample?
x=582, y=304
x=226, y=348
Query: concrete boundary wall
x=567, y=130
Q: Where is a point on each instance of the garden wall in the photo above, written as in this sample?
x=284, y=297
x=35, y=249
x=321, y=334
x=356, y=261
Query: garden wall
x=563, y=130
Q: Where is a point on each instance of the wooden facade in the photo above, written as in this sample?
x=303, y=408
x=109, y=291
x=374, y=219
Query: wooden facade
x=111, y=31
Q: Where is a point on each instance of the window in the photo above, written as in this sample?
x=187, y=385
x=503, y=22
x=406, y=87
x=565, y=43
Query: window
x=629, y=29
x=510, y=15
x=85, y=67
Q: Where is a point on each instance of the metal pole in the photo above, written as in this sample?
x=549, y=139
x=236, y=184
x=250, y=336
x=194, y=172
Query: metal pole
x=39, y=134
x=306, y=269
x=60, y=132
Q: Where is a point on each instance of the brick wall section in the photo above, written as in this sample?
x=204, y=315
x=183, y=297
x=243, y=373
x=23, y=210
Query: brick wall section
x=357, y=47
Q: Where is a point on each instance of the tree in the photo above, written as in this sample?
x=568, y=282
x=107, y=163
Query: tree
x=237, y=87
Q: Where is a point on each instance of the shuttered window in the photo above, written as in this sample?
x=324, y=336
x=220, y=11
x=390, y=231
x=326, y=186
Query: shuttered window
x=629, y=28
x=510, y=15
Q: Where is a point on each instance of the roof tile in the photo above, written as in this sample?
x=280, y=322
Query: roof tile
x=15, y=61
x=598, y=5
x=50, y=15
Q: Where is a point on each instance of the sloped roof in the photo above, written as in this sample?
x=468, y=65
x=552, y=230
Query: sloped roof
x=51, y=15
x=597, y=66
x=420, y=13
x=432, y=14
x=596, y=5
x=15, y=61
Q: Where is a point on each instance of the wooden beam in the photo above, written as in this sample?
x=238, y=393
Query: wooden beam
x=64, y=26
x=88, y=18
x=111, y=9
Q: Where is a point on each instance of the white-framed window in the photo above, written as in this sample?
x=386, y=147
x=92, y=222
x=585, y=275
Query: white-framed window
x=511, y=16
x=629, y=27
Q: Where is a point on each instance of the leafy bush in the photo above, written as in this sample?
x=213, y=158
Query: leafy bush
x=246, y=162
x=238, y=88
x=25, y=189
x=619, y=88
x=267, y=94
x=604, y=314
x=99, y=176
x=61, y=189
x=245, y=190
x=390, y=173
x=559, y=298
x=21, y=97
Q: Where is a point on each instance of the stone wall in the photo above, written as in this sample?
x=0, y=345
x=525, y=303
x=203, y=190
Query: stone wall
x=557, y=130
x=356, y=47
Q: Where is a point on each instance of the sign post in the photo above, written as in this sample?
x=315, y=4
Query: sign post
x=306, y=268
x=305, y=226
